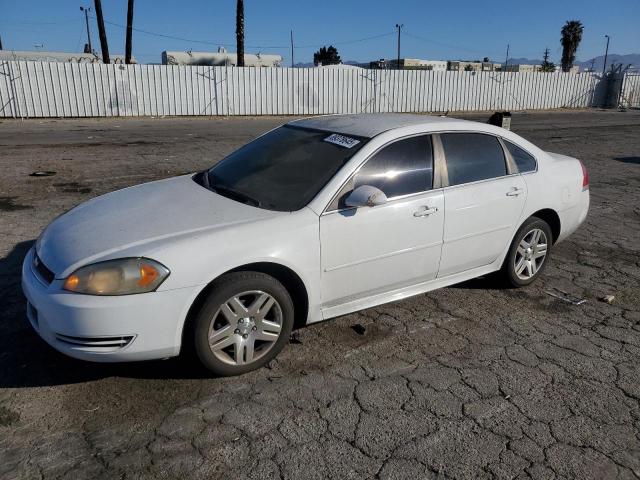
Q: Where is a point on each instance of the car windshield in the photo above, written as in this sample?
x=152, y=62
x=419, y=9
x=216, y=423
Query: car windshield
x=284, y=169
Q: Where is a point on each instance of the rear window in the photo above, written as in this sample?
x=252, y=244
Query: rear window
x=472, y=157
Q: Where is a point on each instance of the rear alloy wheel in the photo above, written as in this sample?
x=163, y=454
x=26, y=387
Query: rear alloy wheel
x=528, y=252
x=244, y=324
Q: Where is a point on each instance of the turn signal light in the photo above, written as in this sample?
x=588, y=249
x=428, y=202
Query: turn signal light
x=148, y=275
x=71, y=283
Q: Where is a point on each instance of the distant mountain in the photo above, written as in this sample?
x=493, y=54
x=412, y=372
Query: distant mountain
x=632, y=58
x=523, y=61
x=310, y=64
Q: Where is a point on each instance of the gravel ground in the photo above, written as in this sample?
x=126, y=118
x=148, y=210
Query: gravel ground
x=471, y=381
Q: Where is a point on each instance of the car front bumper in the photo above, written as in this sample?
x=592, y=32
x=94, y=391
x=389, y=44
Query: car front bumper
x=106, y=329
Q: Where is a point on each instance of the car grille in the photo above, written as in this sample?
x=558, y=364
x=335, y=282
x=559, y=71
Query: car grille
x=44, y=273
x=96, y=342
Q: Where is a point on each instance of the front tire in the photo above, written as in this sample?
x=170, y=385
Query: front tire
x=244, y=324
x=528, y=253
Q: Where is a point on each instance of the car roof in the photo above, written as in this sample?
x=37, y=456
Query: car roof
x=372, y=124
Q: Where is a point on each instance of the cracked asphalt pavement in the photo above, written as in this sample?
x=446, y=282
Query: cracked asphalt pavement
x=472, y=381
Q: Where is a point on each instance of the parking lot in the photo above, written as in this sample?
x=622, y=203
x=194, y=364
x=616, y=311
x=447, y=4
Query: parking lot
x=472, y=381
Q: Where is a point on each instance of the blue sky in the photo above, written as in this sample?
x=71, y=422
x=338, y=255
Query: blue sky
x=463, y=29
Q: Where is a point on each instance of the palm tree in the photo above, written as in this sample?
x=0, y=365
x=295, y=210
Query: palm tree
x=571, y=37
x=240, y=32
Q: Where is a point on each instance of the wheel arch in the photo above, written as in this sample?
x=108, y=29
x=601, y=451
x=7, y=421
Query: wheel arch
x=285, y=275
x=552, y=218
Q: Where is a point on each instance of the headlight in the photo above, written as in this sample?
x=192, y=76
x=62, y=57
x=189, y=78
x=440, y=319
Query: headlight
x=124, y=276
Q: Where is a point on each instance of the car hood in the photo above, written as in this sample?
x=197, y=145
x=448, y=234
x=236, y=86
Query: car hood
x=106, y=226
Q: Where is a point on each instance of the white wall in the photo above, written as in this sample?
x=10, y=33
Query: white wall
x=630, y=95
x=41, y=89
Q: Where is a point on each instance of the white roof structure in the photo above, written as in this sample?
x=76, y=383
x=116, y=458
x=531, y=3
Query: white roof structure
x=220, y=58
x=66, y=57
x=341, y=66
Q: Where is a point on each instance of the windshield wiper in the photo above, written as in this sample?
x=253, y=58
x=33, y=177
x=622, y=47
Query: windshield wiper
x=235, y=194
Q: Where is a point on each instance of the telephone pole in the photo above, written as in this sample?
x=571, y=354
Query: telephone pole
x=86, y=11
x=546, y=55
x=102, y=32
x=291, y=48
x=399, y=27
x=127, y=47
x=506, y=59
x=606, y=54
x=0, y=43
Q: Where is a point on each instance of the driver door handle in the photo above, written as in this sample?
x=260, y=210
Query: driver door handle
x=425, y=212
x=514, y=192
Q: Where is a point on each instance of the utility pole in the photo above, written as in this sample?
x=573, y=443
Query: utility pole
x=546, y=55
x=606, y=54
x=593, y=61
x=506, y=59
x=0, y=43
x=127, y=47
x=240, y=33
x=102, y=32
x=291, y=48
x=86, y=11
x=399, y=27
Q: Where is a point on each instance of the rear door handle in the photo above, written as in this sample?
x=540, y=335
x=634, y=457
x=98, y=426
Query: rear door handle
x=425, y=212
x=514, y=192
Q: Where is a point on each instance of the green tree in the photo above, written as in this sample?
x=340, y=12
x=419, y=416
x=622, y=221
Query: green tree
x=240, y=33
x=326, y=56
x=546, y=65
x=571, y=37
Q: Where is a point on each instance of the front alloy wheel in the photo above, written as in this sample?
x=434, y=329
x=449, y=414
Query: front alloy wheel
x=245, y=327
x=244, y=323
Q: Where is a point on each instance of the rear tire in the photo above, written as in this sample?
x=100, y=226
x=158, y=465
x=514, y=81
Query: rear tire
x=243, y=324
x=528, y=253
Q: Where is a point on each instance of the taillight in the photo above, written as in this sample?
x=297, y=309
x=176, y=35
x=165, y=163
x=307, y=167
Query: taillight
x=585, y=176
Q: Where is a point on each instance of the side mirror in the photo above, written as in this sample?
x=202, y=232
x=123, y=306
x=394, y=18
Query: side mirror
x=365, y=196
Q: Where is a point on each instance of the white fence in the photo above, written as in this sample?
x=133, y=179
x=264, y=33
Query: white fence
x=630, y=93
x=42, y=89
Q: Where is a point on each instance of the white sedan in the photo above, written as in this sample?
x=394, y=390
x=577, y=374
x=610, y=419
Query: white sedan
x=315, y=219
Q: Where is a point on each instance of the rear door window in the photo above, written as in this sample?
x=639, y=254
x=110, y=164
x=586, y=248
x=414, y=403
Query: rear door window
x=472, y=157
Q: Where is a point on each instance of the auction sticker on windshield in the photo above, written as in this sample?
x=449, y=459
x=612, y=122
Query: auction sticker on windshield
x=341, y=140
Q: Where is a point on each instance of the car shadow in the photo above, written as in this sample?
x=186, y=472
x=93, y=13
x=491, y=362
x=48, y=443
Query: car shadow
x=488, y=282
x=28, y=361
x=633, y=160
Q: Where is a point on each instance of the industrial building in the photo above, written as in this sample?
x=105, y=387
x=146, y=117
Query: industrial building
x=525, y=68
x=406, y=64
x=418, y=64
x=461, y=65
x=220, y=58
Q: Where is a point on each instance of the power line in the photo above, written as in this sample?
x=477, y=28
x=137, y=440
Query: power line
x=458, y=47
x=258, y=47
x=443, y=44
